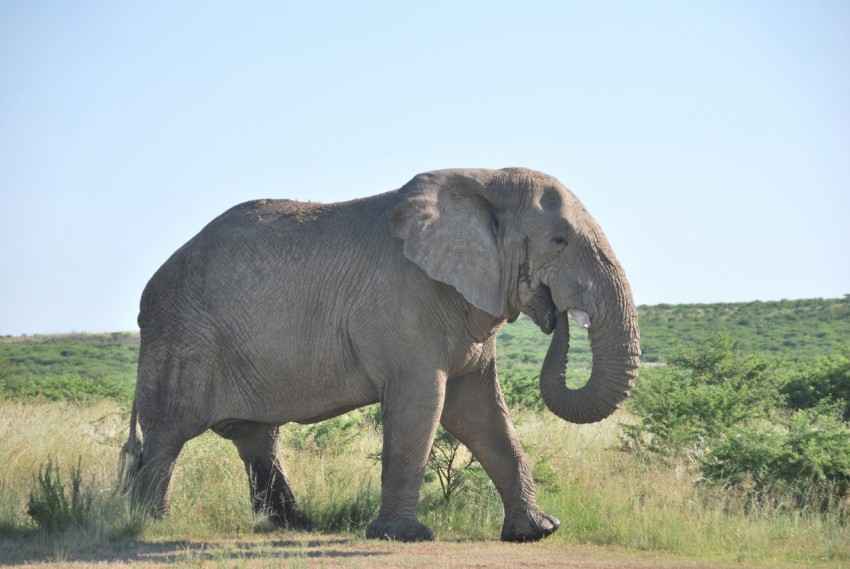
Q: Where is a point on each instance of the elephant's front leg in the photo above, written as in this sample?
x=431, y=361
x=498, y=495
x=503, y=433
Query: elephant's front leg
x=410, y=415
x=475, y=413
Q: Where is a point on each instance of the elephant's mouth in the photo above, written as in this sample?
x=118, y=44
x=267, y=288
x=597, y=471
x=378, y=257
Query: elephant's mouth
x=541, y=309
x=543, y=312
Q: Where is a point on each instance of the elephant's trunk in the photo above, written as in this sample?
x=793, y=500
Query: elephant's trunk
x=616, y=353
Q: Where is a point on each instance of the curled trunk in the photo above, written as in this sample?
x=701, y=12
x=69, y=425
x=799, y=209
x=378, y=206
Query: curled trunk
x=616, y=354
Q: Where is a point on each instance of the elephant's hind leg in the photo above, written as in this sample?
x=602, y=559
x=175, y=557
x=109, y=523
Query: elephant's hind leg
x=270, y=491
x=151, y=483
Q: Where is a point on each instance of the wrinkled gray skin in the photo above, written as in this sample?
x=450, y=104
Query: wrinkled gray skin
x=280, y=311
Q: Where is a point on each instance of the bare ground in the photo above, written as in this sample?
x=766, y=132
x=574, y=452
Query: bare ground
x=314, y=550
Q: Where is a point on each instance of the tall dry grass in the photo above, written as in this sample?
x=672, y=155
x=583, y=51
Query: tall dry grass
x=601, y=494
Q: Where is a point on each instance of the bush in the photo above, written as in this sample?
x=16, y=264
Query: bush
x=335, y=434
x=805, y=452
x=521, y=391
x=453, y=466
x=728, y=414
x=50, y=505
x=700, y=395
x=827, y=379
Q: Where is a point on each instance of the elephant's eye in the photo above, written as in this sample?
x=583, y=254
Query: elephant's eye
x=560, y=241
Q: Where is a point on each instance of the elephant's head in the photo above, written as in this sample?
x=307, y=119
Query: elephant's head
x=517, y=240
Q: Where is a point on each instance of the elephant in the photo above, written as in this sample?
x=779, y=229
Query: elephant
x=281, y=311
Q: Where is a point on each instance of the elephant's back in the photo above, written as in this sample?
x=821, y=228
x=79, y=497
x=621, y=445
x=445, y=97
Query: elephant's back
x=271, y=211
x=291, y=219
x=265, y=251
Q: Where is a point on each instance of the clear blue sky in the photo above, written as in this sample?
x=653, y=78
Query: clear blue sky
x=710, y=139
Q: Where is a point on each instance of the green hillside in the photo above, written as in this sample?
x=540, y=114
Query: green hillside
x=800, y=329
x=74, y=366
x=104, y=365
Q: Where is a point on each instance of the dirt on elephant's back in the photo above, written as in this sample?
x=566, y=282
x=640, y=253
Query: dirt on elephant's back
x=317, y=550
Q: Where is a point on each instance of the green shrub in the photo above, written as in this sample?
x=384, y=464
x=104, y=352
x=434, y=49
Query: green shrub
x=727, y=413
x=804, y=455
x=521, y=391
x=700, y=395
x=828, y=378
x=818, y=443
x=453, y=466
x=50, y=505
x=335, y=434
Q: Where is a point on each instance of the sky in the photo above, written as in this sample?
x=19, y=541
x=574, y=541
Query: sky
x=711, y=140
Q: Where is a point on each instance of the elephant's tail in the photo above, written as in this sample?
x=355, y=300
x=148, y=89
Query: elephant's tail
x=131, y=455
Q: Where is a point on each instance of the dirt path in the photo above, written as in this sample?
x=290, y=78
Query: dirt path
x=312, y=550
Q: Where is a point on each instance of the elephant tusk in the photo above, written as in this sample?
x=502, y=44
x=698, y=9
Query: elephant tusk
x=581, y=318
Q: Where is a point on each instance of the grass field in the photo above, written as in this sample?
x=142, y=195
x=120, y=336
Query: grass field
x=603, y=496
x=65, y=399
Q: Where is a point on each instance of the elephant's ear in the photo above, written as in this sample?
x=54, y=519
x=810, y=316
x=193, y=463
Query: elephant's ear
x=449, y=230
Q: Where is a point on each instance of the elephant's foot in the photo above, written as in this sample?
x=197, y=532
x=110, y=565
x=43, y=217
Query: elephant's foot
x=409, y=530
x=529, y=525
x=291, y=518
